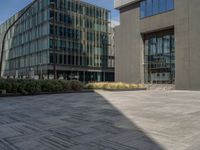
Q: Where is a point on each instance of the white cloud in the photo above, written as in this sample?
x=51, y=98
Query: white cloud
x=114, y=23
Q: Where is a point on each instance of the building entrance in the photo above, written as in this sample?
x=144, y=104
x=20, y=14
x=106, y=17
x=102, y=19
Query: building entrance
x=159, y=57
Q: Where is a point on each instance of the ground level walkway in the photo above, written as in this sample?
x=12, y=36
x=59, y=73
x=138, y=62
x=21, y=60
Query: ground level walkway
x=141, y=120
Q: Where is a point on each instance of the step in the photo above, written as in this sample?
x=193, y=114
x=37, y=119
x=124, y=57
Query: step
x=160, y=86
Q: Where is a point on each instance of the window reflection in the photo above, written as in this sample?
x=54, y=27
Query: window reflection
x=170, y=4
x=162, y=5
x=149, y=7
x=159, y=58
x=142, y=9
x=153, y=7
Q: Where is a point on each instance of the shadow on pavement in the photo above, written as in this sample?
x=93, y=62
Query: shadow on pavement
x=85, y=121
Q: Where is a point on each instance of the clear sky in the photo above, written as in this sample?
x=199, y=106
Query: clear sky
x=10, y=7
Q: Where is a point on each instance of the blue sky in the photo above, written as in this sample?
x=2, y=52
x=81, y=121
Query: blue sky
x=10, y=7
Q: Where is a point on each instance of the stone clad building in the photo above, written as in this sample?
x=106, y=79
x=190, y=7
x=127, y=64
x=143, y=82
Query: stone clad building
x=157, y=42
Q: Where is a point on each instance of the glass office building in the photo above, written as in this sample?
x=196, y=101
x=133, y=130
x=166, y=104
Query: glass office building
x=66, y=39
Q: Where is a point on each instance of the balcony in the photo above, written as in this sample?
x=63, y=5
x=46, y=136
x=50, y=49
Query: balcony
x=122, y=3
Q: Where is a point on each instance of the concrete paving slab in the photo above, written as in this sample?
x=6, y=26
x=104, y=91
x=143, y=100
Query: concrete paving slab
x=141, y=120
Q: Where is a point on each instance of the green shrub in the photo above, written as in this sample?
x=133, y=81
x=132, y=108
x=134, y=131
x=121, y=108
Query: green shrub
x=2, y=84
x=32, y=86
x=11, y=85
x=38, y=86
x=5, y=85
x=75, y=85
x=46, y=85
x=15, y=86
x=65, y=85
x=21, y=87
x=57, y=86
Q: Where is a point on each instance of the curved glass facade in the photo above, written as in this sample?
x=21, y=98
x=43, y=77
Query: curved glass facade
x=153, y=7
x=71, y=35
x=159, y=57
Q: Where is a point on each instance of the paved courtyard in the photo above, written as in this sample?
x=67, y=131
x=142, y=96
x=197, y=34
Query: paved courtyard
x=141, y=120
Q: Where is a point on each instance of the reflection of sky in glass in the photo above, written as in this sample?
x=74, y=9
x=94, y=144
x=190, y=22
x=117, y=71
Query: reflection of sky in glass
x=10, y=7
x=108, y=4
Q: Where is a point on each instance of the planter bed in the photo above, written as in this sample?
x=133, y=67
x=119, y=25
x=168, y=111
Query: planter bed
x=12, y=87
x=45, y=93
x=118, y=90
x=115, y=86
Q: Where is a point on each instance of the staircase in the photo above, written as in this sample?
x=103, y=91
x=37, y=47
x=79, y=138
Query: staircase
x=165, y=87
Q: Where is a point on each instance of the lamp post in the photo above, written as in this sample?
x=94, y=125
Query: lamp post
x=6, y=32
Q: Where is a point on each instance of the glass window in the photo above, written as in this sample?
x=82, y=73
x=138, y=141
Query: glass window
x=149, y=7
x=162, y=6
x=160, y=41
x=153, y=46
x=159, y=61
x=60, y=59
x=142, y=9
x=166, y=44
x=170, y=4
x=155, y=6
x=172, y=43
x=51, y=58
